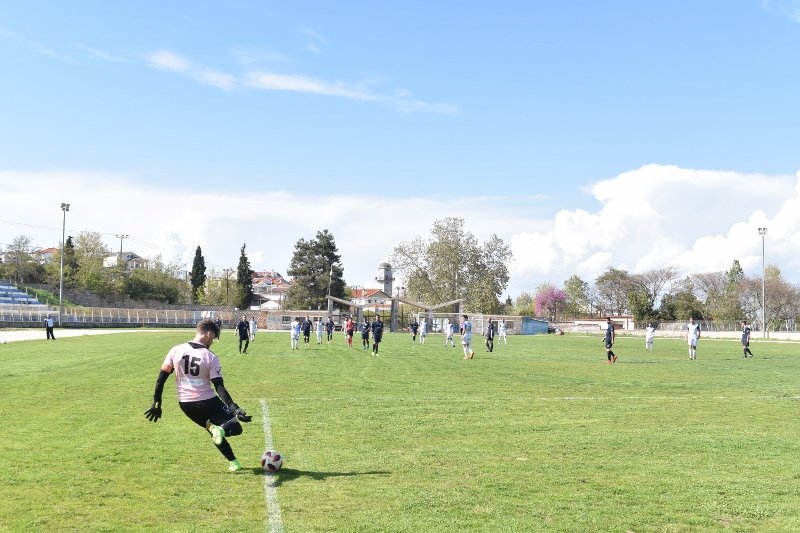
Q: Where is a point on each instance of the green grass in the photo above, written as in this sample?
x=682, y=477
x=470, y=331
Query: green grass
x=540, y=435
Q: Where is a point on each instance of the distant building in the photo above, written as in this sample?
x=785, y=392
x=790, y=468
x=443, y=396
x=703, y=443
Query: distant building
x=129, y=260
x=45, y=255
x=269, y=289
x=372, y=299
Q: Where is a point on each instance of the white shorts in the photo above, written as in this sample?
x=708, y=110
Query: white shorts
x=693, y=342
x=466, y=339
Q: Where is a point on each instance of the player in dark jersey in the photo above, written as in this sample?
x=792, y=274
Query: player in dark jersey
x=197, y=368
x=365, y=334
x=243, y=327
x=746, y=340
x=306, y=327
x=489, y=336
x=414, y=328
x=329, y=325
x=609, y=340
x=377, y=334
x=218, y=322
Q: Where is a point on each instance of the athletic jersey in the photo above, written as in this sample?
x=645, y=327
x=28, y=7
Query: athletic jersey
x=365, y=330
x=423, y=328
x=693, y=331
x=194, y=366
x=490, y=331
x=244, y=329
x=377, y=330
x=414, y=328
x=320, y=326
x=466, y=328
x=295, y=329
x=609, y=330
x=253, y=326
x=501, y=328
x=650, y=332
x=450, y=329
x=49, y=322
x=329, y=326
x=306, y=327
x=349, y=327
x=745, y=334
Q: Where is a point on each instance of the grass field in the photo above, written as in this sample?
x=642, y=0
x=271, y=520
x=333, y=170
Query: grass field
x=540, y=435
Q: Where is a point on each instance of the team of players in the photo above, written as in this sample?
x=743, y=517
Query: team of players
x=197, y=369
x=692, y=336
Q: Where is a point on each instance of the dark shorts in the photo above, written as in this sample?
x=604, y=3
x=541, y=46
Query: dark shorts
x=212, y=409
x=609, y=345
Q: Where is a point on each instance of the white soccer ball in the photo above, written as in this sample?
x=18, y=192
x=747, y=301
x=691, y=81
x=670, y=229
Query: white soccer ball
x=271, y=461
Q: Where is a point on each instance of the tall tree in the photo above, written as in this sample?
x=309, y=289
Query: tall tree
x=577, y=292
x=21, y=265
x=782, y=297
x=653, y=283
x=316, y=269
x=612, y=287
x=244, y=281
x=451, y=264
x=197, y=277
x=524, y=305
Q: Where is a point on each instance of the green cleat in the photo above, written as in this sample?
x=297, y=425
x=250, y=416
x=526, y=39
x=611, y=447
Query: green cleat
x=217, y=433
x=235, y=465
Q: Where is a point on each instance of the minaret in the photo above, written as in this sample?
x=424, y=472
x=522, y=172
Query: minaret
x=385, y=278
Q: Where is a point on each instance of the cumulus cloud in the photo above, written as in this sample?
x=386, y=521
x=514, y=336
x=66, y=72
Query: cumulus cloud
x=694, y=220
x=657, y=215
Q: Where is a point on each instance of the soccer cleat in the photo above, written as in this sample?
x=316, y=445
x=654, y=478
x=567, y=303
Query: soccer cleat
x=235, y=465
x=217, y=433
x=613, y=358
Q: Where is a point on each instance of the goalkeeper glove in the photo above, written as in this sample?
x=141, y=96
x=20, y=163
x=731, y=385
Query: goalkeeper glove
x=154, y=413
x=240, y=413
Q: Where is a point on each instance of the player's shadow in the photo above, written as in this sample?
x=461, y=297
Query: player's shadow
x=290, y=474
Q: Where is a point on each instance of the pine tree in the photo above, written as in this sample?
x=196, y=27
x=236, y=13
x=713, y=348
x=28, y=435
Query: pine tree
x=198, y=275
x=316, y=272
x=244, y=282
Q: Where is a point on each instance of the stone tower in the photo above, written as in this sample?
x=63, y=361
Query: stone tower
x=385, y=278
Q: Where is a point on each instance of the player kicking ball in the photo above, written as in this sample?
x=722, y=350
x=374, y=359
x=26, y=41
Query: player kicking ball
x=197, y=369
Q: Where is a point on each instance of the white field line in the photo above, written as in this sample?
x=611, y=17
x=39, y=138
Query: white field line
x=482, y=399
x=270, y=490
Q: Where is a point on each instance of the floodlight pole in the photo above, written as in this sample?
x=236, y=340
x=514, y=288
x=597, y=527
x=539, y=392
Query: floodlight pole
x=763, y=233
x=64, y=209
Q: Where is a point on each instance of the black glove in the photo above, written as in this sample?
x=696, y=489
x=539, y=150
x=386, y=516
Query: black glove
x=241, y=414
x=154, y=413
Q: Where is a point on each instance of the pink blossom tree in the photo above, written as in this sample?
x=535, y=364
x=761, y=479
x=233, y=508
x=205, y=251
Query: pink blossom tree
x=550, y=301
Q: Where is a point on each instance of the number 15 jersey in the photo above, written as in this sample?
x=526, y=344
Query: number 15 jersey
x=195, y=366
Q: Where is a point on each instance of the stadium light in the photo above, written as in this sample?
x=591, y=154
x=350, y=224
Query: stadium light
x=763, y=233
x=64, y=209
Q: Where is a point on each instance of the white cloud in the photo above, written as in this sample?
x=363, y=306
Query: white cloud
x=695, y=220
x=304, y=84
x=169, y=61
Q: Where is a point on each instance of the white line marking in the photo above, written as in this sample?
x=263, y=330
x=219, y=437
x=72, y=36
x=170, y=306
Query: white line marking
x=270, y=490
x=483, y=399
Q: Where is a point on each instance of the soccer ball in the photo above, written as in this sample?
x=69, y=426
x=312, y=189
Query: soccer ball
x=271, y=461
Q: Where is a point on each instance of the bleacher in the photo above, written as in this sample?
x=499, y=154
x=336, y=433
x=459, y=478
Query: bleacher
x=11, y=295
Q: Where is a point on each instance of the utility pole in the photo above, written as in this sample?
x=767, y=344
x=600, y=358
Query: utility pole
x=227, y=292
x=121, y=237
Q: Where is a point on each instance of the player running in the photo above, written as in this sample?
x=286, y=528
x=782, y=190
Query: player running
x=197, y=369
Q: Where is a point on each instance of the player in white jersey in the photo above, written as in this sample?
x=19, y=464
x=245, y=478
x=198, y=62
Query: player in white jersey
x=649, y=337
x=466, y=337
x=692, y=336
x=423, y=330
x=253, y=327
x=294, y=331
x=320, y=328
x=501, y=331
x=196, y=369
x=449, y=329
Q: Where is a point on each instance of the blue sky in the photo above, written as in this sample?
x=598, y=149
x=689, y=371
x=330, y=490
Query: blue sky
x=513, y=115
